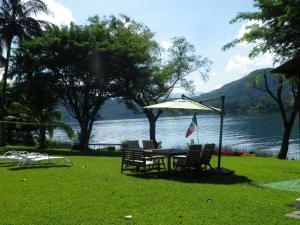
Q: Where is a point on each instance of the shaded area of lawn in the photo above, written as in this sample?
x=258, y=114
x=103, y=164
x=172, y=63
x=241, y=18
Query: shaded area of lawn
x=205, y=177
x=61, y=152
x=94, y=191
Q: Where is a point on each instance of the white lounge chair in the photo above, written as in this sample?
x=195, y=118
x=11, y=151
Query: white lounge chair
x=22, y=158
x=38, y=158
x=11, y=156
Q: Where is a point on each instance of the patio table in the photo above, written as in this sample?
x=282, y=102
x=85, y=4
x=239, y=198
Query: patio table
x=169, y=153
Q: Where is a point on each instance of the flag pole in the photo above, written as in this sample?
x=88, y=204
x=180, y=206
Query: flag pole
x=197, y=129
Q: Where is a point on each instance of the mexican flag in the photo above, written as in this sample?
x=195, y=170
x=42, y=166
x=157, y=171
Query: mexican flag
x=193, y=126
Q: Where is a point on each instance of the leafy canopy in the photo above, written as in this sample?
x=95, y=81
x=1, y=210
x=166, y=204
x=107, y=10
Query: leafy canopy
x=274, y=28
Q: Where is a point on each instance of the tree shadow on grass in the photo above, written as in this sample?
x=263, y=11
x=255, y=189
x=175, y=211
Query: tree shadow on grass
x=7, y=164
x=79, y=153
x=203, y=177
x=39, y=166
x=67, y=152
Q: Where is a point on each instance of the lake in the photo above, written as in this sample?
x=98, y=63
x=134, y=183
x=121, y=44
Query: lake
x=249, y=132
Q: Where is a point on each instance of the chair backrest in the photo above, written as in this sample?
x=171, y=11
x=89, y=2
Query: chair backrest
x=195, y=147
x=148, y=144
x=207, y=153
x=193, y=155
x=133, y=157
x=139, y=155
x=128, y=155
x=133, y=145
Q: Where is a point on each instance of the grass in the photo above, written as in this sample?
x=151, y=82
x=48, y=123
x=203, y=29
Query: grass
x=94, y=191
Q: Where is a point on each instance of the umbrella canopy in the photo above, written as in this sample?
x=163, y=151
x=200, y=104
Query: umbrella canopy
x=182, y=104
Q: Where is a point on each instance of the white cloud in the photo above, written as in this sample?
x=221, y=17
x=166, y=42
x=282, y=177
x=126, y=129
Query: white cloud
x=243, y=64
x=166, y=44
x=240, y=63
x=212, y=74
x=245, y=27
x=58, y=13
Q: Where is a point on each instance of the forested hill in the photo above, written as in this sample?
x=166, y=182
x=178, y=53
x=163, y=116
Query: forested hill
x=240, y=97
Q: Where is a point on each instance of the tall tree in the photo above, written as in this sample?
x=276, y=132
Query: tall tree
x=35, y=92
x=149, y=78
x=77, y=57
x=288, y=105
x=17, y=22
x=84, y=78
x=2, y=59
x=274, y=29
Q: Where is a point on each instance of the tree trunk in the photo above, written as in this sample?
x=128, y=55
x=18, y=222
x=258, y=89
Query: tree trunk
x=85, y=134
x=4, y=79
x=3, y=97
x=152, y=128
x=285, y=142
x=42, y=138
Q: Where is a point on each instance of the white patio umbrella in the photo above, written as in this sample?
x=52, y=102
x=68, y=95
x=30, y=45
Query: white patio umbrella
x=182, y=104
x=190, y=104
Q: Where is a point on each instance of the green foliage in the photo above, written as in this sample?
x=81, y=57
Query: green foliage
x=145, y=77
x=16, y=19
x=83, y=63
x=35, y=95
x=95, y=192
x=274, y=28
x=17, y=23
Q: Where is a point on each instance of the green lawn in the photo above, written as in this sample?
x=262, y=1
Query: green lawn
x=94, y=191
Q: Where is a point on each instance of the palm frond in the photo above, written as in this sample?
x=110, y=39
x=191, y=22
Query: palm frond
x=35, y=7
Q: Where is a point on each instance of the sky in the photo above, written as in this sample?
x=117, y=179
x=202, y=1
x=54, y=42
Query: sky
x=203, y=23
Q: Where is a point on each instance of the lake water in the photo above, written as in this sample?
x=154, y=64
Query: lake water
x=248, y=132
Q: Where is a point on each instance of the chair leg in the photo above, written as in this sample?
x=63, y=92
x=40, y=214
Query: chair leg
x=163, y=162
x=158, y=165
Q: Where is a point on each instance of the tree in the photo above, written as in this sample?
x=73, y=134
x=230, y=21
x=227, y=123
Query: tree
x=287, y=105
x=84, y=80
x=35, y=93
x=77, y=57
x=17, y=23
x=275, y=29
x=2, y=59
x=149, y=78
x=47, y=120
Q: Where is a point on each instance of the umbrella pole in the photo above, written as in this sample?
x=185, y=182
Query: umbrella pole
x=220, y=170
x=221, y=132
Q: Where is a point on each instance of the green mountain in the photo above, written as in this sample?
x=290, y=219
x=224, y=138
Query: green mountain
x=241, y=96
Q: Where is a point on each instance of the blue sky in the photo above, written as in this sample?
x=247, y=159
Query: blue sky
x=203, y=23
